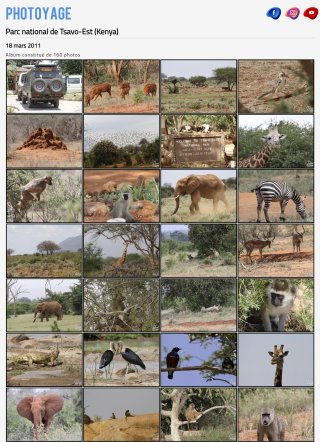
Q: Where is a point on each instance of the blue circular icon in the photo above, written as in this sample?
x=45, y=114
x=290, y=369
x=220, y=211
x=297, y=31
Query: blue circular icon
x=274, y=13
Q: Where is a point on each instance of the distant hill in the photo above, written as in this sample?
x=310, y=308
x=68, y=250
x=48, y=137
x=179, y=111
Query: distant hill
x=139, y=428
x=72, y=244
x=178, y=235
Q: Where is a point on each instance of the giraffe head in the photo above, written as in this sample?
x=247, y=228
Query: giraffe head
x=277, y=355
x=273, y=138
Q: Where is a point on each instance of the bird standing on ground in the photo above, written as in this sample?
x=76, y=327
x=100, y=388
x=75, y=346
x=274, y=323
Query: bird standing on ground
x=127, y=414
x=106, y=359
x=172, y=360
x=278, y=85
x=132, y=358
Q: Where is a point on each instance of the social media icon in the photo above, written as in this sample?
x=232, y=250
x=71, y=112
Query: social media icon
x=311, y=13
x=293, y=13
x=274, y=13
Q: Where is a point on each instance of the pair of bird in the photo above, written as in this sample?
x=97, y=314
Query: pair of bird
x=128, y=355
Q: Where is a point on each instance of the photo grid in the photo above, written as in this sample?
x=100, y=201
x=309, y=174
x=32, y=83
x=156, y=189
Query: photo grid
x=160, y=250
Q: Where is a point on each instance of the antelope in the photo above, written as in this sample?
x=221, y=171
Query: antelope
x=297, y=238
x=257, y=244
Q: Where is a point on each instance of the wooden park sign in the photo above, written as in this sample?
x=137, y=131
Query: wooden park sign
x=204, y=148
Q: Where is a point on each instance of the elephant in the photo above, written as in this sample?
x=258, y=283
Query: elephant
x=207, y=186
x=48, y=308
x=40, y=410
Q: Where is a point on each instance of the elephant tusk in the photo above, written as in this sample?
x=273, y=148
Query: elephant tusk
x=176, y=197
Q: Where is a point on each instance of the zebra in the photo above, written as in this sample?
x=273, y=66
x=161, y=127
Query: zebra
x=282, y=192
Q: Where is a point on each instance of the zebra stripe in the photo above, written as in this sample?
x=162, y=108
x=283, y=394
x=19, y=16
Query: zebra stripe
x=269, y=191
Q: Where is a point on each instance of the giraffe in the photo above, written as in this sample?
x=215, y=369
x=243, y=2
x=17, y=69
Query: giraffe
x=121, y=261
x=271, y=141
x=277, y=358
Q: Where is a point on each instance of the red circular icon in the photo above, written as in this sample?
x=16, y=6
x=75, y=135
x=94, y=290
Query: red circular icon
x=311, y=13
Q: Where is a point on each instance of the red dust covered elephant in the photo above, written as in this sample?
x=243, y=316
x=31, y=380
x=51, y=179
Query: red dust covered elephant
x=48, y=308
x=40, y=410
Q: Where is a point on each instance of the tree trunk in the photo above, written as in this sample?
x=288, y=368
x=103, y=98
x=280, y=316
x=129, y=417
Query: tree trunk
x=145, y=77
x=14, y=308
x=116, y=68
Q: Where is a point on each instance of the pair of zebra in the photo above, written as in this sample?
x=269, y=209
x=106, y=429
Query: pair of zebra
x=269, y=191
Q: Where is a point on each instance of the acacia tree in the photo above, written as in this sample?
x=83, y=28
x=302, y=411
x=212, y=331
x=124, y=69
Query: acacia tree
x=226, y=75
x=48, y=246
x=144, y=237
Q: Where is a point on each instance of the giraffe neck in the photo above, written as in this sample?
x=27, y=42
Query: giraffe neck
x=122, y=260
x=260, y=158
x=278, y=376
x=263, y=155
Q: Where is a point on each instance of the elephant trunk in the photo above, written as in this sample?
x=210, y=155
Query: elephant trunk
x=177, y=198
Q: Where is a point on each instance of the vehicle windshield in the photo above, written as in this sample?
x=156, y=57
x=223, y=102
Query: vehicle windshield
x=46, y=72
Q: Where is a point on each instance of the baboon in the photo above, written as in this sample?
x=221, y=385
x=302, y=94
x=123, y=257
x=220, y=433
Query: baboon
x=191, y=414
x=127, y=414
x=117, y=304
x=190, y=257
x=271, y=425
x=113, y=416
x=36, y=186
x=278, y=305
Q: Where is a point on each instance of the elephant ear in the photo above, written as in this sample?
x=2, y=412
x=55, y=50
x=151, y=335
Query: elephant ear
x=24, y=408
x=193, y=183
x=53, y=403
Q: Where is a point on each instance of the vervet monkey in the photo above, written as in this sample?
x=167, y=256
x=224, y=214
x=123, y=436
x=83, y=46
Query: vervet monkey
x=279, y=302
x=121, y=207
x=271, y=425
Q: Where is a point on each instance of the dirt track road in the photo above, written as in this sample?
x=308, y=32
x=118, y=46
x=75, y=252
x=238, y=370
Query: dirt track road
x=65, y=106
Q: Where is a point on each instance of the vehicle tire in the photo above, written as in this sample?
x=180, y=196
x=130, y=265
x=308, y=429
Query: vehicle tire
x=30, y=103
x=56, y=103
x=24, y=99
x=56, y=85
x=39, y=85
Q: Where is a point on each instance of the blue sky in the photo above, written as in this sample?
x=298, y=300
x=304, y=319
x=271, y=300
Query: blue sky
x=199, y=354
